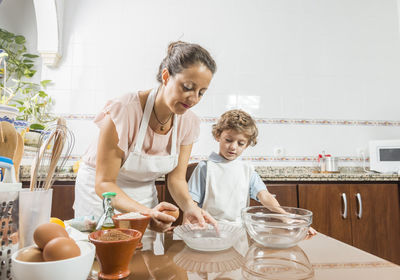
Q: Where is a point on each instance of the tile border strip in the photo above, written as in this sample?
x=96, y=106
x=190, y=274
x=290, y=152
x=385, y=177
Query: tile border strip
x=353, y=265
x=308, y=159
x=283, y=159
x=277, y=121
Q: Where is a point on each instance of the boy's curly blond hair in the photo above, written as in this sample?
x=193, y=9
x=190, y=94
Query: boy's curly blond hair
x=239, y=121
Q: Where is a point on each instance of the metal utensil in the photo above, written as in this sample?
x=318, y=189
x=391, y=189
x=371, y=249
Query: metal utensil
x=55, y=147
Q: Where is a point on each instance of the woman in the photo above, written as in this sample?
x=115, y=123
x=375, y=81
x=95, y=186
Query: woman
x=146, y=135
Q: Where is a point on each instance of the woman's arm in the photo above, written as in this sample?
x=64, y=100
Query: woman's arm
x=179, y=190
x=108, y=164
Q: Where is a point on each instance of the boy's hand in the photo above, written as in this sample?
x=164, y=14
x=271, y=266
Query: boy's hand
x=311, y=233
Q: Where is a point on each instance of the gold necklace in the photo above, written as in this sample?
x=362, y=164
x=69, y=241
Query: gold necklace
x=161, y=123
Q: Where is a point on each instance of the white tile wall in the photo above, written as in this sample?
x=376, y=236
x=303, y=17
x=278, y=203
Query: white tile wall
x=311, y=59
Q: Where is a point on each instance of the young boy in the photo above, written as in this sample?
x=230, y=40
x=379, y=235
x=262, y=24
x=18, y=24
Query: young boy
x=223, y=185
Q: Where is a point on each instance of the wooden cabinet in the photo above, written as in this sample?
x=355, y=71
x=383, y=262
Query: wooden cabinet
x=286, y=194
x=366, y=216
x=63, y=200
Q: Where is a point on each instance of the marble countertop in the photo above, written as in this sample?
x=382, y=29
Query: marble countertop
x=304, y=174
x=320, y=257
x=274, y=174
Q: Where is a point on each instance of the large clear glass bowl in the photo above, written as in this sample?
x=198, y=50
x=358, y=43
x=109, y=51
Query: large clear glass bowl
x=276, y=227
x=276, y=264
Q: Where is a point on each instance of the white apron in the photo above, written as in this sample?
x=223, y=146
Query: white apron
x=137, y=175
x=225, y=194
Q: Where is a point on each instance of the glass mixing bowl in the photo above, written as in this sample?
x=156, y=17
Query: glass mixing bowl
x=207, y=238
x=276, y=227
x=276, y=264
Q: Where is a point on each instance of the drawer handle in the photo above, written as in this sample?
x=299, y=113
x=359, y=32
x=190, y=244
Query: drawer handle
x=359, y=202
x=344, y=199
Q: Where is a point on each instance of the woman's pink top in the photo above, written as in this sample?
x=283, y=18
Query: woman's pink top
x=126, y=113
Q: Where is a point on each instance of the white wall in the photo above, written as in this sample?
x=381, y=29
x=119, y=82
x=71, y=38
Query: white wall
x=287, y=60
x=18, y=16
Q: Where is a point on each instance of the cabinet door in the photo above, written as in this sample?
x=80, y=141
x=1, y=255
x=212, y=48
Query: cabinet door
x=376, y=219
x=63, y=199
x=328, y=202
x=286, y=194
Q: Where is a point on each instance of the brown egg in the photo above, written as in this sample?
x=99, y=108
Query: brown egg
x=172, y=213
x=31, y=254
x=46, y=232
x=60, y=248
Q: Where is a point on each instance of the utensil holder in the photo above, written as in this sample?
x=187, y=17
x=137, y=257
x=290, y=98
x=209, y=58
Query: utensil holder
x=35, y=209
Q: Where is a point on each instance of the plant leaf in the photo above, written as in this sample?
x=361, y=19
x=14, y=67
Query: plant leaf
x=20, y=39
x=30, y=55
x=44, y=83
x=37, y=126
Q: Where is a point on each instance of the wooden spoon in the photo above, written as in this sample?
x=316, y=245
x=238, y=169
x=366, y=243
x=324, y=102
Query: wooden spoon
x=8, y=140
x=19, y=151
x=37, y=162
x=59, y=141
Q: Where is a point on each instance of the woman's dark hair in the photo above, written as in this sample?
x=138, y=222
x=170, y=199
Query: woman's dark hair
x=182, y=55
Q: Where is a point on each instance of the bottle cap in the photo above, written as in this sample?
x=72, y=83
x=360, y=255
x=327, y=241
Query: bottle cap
x=108, y=194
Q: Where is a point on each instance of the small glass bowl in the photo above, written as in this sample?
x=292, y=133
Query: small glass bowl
x=282, y=264
x=276, y=227
x=207, y=238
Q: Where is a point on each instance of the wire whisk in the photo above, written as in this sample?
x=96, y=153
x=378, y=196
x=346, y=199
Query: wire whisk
x=54, y=149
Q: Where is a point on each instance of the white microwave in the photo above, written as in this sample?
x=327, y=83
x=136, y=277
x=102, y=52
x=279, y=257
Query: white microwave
x=384, y=156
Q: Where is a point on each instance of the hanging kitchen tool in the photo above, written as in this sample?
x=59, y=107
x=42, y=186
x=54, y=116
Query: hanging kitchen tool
x=55, y=147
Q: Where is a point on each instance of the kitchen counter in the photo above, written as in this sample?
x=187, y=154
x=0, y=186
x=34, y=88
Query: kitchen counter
x=303, y=173
x=273, y=173
x=322, y=256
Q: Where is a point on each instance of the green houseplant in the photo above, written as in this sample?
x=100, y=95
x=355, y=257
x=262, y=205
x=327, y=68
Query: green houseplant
x=16, y=86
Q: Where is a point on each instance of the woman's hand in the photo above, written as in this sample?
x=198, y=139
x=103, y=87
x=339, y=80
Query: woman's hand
x=161, y=222
x=194, y=214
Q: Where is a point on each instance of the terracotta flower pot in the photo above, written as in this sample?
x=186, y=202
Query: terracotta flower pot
x=139, y=224
x=114, y=256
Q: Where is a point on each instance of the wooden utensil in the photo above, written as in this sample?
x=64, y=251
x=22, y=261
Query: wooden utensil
x=59, y=141
x=19, y=151
x=38, y=161
x=8, y=139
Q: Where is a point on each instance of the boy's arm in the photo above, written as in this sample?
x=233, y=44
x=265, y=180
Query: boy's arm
x=267, y=199
x=259, y=191
x=197, y=183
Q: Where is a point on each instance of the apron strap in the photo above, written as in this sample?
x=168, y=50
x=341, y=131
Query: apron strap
x=145, y=123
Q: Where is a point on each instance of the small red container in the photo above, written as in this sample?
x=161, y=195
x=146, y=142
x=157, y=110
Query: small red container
x=114, y=256
x=139, y=224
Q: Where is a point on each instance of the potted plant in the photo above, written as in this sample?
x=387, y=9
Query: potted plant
x=7, y=113
x=17, y=90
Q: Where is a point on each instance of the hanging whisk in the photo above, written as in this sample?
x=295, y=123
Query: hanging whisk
x=54, y=149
